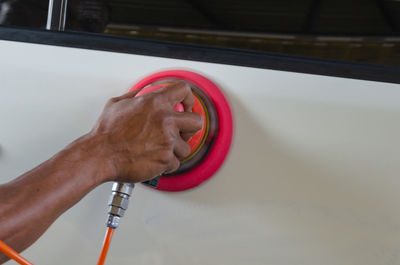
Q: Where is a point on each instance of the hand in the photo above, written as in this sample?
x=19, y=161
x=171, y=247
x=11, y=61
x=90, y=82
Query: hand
x=143, y=137
x=135, y=139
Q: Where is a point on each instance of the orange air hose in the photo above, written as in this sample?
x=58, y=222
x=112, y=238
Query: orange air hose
x=12, y=254
x=106, y=245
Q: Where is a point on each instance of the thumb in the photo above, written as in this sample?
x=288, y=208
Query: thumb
x=129, y=94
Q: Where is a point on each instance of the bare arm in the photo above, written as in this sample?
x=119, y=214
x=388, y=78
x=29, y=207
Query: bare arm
x=135, y=139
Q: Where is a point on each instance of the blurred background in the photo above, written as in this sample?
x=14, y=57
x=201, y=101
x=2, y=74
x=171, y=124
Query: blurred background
x=366, y=31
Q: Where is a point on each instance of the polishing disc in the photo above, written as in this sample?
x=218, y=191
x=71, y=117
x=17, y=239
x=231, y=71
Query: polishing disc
x=210, y=145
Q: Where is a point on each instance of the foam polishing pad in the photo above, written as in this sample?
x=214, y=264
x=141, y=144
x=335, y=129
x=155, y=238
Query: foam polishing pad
x=210, y=145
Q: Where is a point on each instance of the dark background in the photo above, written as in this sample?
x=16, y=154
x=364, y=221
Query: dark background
x=365, y=31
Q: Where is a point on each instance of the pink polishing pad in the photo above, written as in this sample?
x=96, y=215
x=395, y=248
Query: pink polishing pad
x=221, y=143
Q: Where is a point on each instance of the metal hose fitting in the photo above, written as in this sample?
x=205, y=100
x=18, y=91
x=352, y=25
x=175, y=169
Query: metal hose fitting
x=118, y=202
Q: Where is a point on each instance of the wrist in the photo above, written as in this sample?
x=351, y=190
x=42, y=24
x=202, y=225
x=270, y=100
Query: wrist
x=89, y=154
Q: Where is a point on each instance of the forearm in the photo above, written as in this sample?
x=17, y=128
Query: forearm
x=134, y=140
x=32, y=202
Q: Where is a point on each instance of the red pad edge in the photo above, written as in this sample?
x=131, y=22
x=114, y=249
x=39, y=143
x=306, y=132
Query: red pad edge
x=222, y=142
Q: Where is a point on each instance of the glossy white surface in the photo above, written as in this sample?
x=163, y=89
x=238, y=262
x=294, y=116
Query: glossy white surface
x=313, y=176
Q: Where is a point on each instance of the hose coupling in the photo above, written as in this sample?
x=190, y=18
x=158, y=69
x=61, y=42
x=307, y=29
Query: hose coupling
x=118, y=202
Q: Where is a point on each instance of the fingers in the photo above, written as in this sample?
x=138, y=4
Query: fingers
x=187, y=125
x=188, y=122
x=182, y=149
x=173, y=165
x=179, y=92
x=179, y=149
x=170, y=128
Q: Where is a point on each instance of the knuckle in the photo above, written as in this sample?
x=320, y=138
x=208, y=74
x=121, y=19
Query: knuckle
x=169, y=142
x=168, y=120
x=188, y=90
x=166, y=157
x=112, y=100
x=155, y=100
x=140, y=103
x=139, y=100
x=181, y=83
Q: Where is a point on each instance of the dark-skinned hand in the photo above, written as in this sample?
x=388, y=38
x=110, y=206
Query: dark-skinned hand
x=144, y=136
